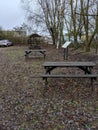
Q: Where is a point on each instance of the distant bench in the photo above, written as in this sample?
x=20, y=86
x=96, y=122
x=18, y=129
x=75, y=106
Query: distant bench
x=42, y=51
x=85, y=66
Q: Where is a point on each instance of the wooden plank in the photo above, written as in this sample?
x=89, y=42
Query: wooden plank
x=70, y=76
x=35, y=50
x=68, y=64
x=91, y=76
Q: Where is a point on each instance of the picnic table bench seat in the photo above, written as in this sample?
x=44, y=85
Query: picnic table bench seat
x=91, y=76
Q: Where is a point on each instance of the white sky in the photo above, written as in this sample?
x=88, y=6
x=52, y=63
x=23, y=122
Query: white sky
x=11, y=14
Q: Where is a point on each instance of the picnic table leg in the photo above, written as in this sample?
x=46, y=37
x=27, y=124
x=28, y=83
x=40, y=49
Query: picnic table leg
x=27, y=53
x=49, y=69
x=87, y=70
x=92, y=79
x=42, y=52
x=92, y=84
x=46, y=82
x=44, y=56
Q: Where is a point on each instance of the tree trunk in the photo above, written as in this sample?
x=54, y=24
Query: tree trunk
x=87, y=48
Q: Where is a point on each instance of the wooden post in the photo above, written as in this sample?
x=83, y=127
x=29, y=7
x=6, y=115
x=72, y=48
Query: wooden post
x=65, y=46
x=66, y=53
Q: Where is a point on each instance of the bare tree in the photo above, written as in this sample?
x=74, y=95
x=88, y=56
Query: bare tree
x=73, y=18
x=49, y=16
x=53, y=12
x=73, y=22
x=58, y=16
x=82, y=21
x=89, y=29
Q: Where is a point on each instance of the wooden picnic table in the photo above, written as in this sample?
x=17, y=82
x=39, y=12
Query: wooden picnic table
x=86, y=66
x=29, y=51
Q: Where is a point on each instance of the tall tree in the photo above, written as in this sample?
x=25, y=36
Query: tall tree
x=59, y=16
x=73, y=6
x=51, y=16
x=73, y=22
x=53, y=12
x=89, y=28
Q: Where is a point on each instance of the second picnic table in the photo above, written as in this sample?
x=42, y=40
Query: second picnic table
x=29, y=51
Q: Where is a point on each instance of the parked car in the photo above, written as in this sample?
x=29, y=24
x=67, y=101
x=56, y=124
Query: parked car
x=5, y=43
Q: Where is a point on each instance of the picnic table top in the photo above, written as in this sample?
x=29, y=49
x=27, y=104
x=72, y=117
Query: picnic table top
x=35, y=50
x=71, y=64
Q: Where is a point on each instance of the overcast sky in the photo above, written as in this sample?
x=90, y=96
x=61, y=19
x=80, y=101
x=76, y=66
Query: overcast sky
x=11, y=14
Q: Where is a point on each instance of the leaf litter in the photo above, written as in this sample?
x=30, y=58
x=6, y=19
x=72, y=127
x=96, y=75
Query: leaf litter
x=68, y=104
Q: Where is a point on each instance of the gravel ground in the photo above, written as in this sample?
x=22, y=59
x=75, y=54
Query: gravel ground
x=68, y=104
